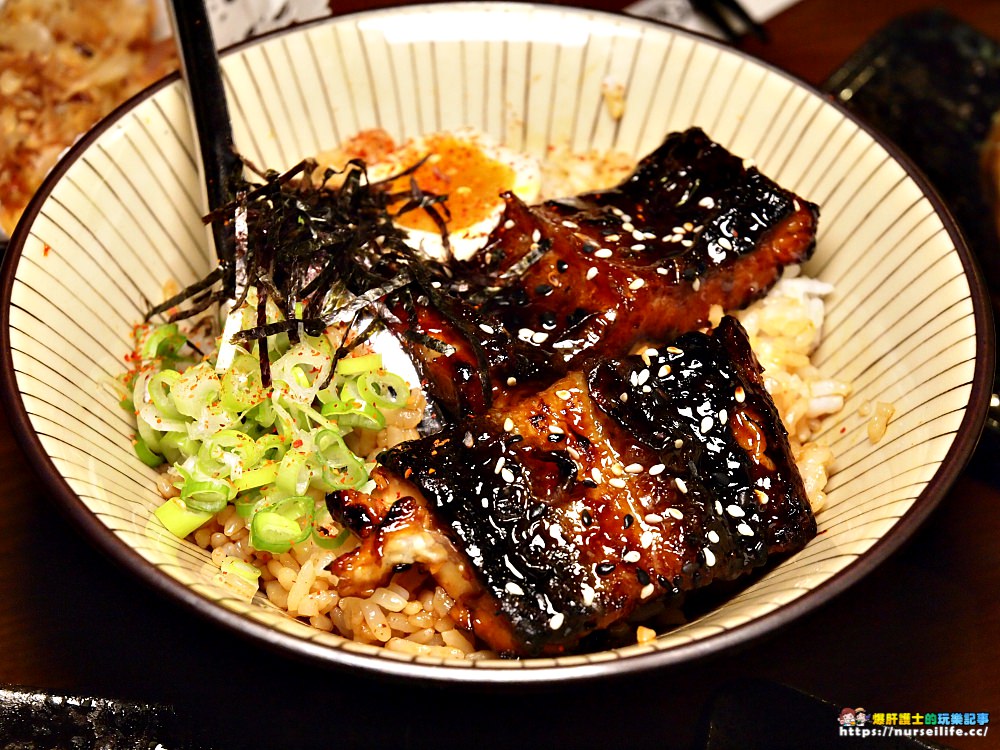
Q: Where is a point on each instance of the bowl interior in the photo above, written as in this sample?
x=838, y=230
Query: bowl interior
x=121, y=216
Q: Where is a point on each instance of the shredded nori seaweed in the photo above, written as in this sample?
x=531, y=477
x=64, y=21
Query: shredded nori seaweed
x=332, y=250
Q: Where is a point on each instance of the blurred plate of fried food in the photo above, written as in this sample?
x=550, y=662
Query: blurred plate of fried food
x=64, y=66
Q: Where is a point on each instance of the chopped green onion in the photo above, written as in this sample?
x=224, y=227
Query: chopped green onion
x=237, y=567
x=161, y=387
x=257, y=477
x=383, y=389
x=208, y=495
x=164, y=341
x=197, y=388
x=242, y=388
x=278, y=527
x=355, y=365
x=226, y=447
x=293, y=473
x=179, y=519
x=145, y=454
x=324, y=540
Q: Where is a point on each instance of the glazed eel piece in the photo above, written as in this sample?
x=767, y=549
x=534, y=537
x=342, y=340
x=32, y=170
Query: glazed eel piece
x=567, y=509
x=594, y=275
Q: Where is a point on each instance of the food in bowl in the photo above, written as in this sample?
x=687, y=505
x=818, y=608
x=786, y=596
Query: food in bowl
x=573, y=485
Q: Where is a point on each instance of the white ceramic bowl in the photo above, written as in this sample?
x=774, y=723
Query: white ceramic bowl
x=907, y=323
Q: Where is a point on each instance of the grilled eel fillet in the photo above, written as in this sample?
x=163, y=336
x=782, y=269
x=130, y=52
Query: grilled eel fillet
x=594, y=275
x=561, y=514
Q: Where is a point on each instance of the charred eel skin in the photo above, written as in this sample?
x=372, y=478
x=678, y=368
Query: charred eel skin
x=636, y=478
x=692, y=227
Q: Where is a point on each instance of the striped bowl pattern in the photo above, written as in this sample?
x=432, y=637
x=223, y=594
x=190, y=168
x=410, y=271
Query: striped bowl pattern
x=906, y=324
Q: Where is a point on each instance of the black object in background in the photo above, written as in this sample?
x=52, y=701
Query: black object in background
x=931, y=83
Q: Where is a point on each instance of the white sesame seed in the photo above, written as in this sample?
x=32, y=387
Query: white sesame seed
x=674, y=513
x=513, y=588
x=536, y=235
x=508, y=424
x=486, y=329
x=467, y=440
x=681, y=485
x=674, y=350
x=556, y=621
x=645, y=358
x=525, y=334
x=718, y=507
x=745, y=529
x=651, y=352
x=638, y=246
x=646, y=539
x=512, y=381
x=633, y=468
x=676, y=237
x=500, y=462
x=663, y=371
x=735, y=511
x=713, y=536
x=696, y=284
x=707, y=202
x=632, y=556
x=573, y=452
x=617, y=482
x=507, y=475
x=564, y=395
x=687, y=243
x=653, y=518
x=570, y=225
x=556, y=429
x=509, y=224
x=662, y=271
x=591, y=272
x=709, y=557
x=725, y=244
x=723, y=416
x=588, y=595
x=656, y=469
x=617, y=469
x=596, y=475
x=613, y=237
x=623, y=398
x=539, y=337
x=678, y=230
x=637, y=284
x=603, y=253
x=633, y=378
x=643, y=377
x=628, y=226
x=647, y=591
x=762, y=496
x=706, y=424
x=740, y=394
x=678, y=443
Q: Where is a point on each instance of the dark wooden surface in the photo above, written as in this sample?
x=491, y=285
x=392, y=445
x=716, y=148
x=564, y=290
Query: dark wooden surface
x=921, y=633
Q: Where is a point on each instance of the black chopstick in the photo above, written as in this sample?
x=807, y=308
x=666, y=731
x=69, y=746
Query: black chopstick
x=716, y=10
x=222, y=167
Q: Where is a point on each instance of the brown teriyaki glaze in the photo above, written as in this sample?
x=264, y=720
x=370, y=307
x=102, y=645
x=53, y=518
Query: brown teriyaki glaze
x=568, y=509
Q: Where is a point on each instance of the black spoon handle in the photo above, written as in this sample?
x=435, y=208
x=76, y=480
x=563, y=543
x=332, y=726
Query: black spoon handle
x=222, y=168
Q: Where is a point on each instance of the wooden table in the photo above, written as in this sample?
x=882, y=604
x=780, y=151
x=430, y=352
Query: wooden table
x=919, y=634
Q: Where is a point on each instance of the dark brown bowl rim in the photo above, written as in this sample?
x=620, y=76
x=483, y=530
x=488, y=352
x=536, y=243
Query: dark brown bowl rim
x=955, y=460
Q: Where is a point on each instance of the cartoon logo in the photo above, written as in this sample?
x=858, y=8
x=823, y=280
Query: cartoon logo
x=860, y=717
x=847, y=717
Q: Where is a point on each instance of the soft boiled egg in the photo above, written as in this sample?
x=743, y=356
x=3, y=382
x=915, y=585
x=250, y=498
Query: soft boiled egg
x=472, y=171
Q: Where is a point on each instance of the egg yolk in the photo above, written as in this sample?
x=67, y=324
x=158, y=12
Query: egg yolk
x=459, y=169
